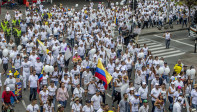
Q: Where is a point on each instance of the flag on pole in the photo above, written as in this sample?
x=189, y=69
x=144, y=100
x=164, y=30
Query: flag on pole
x=102, y=74
x=39, y=80
x=42, y=44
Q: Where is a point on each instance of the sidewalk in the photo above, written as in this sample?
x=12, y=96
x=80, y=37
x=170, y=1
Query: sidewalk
x=154, y=30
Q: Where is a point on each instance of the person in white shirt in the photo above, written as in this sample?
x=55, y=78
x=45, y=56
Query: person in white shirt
x=135, y=103
x=143, y=92
x=25, y=71
x=145, y=107
x=33, y=107
x=33, y=84
x=86, y=77
x=48, y=107
x=88, y=107
x=38, y=66
x=167, y=37
x=76, y=107
x=43, y=97
x=177, y=105
x=155, y=93
x=7, y=16
x=193, y=101
x=96, y=101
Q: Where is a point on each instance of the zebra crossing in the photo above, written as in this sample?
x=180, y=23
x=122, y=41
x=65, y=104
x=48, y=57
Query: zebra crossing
x=159, y=49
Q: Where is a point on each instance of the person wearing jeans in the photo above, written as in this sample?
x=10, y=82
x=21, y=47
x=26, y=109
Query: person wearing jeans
x=33, y=84
x=167, y=37
x=62, y=95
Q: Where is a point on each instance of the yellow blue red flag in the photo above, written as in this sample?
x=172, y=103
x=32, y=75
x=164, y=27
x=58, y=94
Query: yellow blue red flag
x=102, y=74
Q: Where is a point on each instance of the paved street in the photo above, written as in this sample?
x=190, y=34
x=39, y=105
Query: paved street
x=179, y=47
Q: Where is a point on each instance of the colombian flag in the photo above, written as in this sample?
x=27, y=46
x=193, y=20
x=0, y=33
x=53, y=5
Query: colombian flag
x=42, y=44
x=102, y=74
x=40, y=79
x=116, y=20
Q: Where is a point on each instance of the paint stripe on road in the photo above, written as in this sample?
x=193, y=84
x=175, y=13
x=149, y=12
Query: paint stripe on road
x=164, y=50
x=23, y=102
x=165, y=53
x=177, y=54
x=176, y=41
x=183, y=38
x=109, y=95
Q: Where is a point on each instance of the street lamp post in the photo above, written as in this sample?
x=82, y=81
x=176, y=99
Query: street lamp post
x=195, y=45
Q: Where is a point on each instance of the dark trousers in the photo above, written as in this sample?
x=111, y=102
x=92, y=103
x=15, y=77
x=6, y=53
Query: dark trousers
x=153, y=108
x=67, y=62
x=33, y=92
x=167, y=43
x=145, y=24
x=8, y=38
x=72, y=42
x=103, y=96
x=184, y=22
x=117, y=97
x=17, y=41
x=5, y=67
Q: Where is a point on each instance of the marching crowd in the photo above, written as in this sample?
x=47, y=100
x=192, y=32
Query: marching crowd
x=54, y=54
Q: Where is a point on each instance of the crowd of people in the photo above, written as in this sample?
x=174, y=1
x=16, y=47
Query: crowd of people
x=54, y=53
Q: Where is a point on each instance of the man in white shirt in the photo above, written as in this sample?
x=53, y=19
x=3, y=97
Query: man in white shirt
x=155, y=93
x=33, y=107
x=33, y=84
x=96, y=101
x=25, y=71
x=145, y=107
x=177, y=106
x=143, y=92
x=38, y=66
x=193, y=101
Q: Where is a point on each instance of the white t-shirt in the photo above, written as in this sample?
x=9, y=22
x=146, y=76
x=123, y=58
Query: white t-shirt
x=52, y=90
x=155, y=93
x=31, y=108
x=44, y=79
x=96, y=101
x=76, y=107
x=33, y=81
x=88, y=109
x=78, y=92
x=194, y=96
x=48, y=108
x=38, y=67
x=135, y=103
x=26, y=67
x=10, y=83
x=143, y=92
x=44, y=96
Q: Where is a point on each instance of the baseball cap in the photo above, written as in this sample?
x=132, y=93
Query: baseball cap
x=136, y=94
x=157, y=84
x=145, y=101
x=144, y=83
x=172, y=82
x=37, y=58
x=179, y=99
x=7, y=89
x=179, y=87
x=59, y=106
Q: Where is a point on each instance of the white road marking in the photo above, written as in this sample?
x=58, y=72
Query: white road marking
x=23, y=102
x=176, y=41
x=164, y=50
x=152, y=46
x=165, y=53
x=109, y=95
x=177, y=54
x=183, y=38
x=153, y=49
x=144, y=42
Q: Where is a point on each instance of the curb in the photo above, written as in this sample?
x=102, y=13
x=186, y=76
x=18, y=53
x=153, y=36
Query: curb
x=152, y=33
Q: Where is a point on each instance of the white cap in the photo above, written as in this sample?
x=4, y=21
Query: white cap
x=157, y=84
x=172, y=82
x=132, y=88
x=11, y=74
x=123, y=69
x=136, y=94
x=7, y=89
x=144, y=83
x=75, y=52
x=179, y=98
x=117, y=68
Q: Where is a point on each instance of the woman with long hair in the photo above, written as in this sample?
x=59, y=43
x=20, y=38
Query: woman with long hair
x=159, y=104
